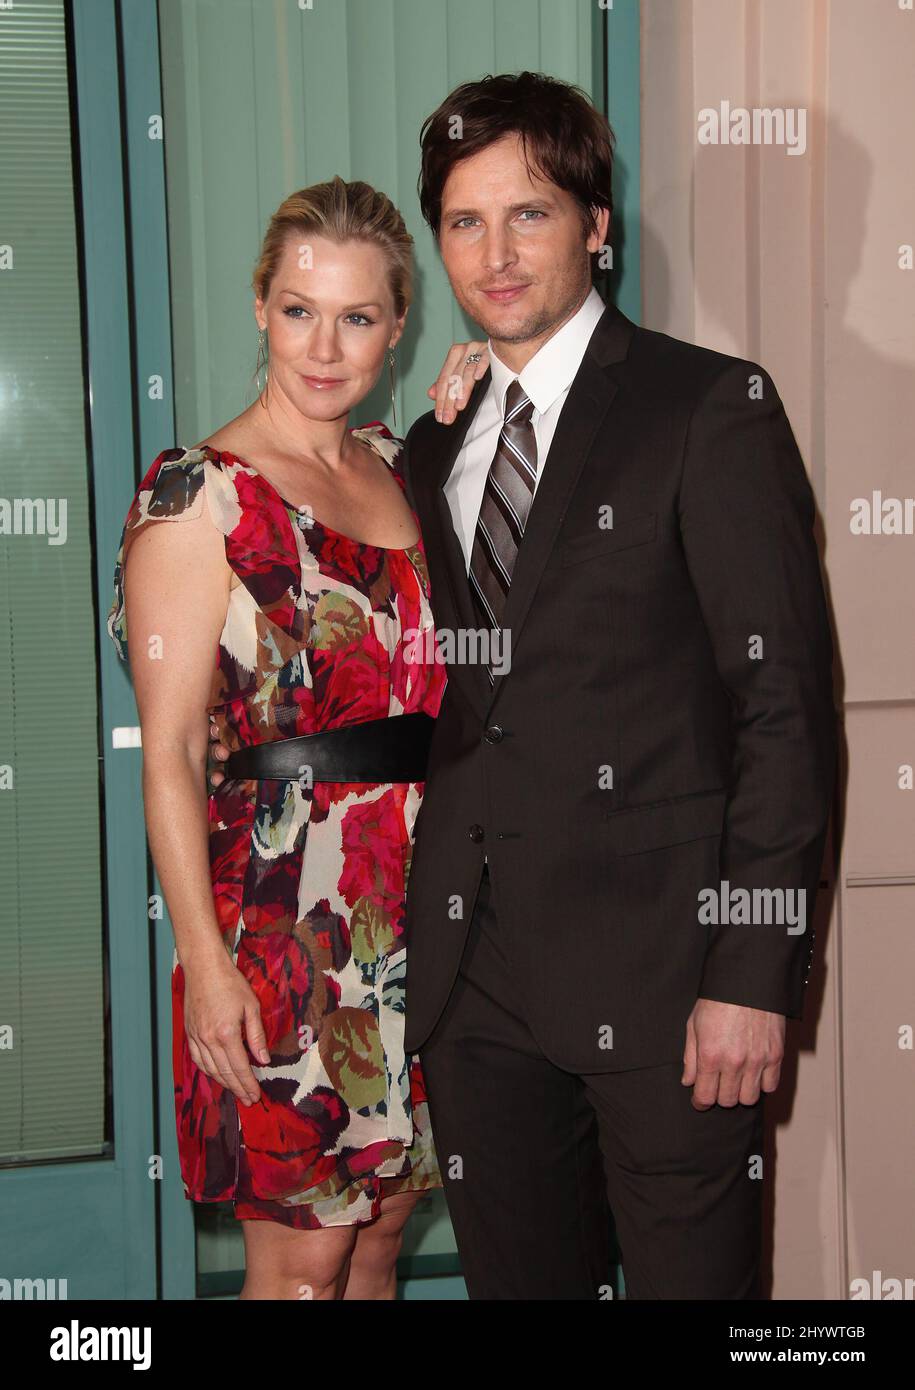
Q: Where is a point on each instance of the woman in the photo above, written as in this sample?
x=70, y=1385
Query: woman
x=287, y=604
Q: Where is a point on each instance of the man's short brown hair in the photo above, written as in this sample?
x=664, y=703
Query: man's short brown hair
x=564, y=138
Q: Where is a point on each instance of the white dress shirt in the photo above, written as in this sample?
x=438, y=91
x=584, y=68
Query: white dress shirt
x=545, y=380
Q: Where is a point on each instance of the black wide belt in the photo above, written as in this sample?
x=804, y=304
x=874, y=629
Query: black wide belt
x=395, y=749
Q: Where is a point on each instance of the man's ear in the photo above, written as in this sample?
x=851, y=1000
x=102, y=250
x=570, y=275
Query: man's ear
x=600, y=234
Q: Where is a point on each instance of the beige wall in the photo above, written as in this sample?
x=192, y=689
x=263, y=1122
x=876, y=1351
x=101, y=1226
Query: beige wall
x=794, y=261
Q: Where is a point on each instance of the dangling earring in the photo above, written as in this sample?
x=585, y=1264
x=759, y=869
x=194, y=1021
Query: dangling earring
x=393, y=405
x=262, y=361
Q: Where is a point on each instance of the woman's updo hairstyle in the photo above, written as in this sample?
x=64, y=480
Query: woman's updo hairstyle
x=340, y=212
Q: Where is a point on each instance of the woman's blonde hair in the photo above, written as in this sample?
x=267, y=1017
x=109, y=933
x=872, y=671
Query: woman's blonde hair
x=341, y=212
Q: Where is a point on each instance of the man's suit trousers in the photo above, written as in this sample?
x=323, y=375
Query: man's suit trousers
x=531, y=1156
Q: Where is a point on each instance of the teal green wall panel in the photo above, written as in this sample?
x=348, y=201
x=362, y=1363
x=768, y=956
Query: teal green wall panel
x=155, y=421
x=439, y=1289
x=130, y=1192
x=624, y=114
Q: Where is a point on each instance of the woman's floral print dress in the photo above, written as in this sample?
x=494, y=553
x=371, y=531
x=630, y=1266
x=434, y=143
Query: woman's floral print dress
x=308, y=882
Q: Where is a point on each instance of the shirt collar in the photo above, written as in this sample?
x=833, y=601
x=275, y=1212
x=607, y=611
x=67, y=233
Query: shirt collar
x=553, y=367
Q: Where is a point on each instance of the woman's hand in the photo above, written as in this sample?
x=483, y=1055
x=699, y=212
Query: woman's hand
x=455, y=381
x=220, y=1009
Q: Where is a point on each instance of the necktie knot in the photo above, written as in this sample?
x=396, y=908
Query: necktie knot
x=518, y=405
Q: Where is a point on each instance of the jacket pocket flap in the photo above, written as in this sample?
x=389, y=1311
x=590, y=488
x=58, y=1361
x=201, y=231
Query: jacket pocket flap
x=640, y=828
x=633, y=530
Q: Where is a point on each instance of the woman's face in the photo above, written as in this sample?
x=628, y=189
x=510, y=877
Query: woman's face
x=329, y=316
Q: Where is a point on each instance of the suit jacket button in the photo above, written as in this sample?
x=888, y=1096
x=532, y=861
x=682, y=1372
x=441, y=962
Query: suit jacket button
x=476, y=833
x=493, y=734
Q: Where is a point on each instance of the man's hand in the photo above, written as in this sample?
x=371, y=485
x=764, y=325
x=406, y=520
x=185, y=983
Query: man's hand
x=219, y=751
x=731, y=1053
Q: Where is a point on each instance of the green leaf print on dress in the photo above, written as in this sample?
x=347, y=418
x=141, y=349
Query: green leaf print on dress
x=337, y=622
x=350, y=1048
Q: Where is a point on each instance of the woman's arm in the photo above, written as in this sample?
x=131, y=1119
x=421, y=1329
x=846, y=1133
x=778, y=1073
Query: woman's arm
x=176, y=586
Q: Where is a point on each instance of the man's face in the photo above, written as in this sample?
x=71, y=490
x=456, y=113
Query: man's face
x=504, y=229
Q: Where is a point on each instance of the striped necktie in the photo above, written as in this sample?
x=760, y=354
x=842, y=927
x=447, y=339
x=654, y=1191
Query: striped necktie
x=503, y=514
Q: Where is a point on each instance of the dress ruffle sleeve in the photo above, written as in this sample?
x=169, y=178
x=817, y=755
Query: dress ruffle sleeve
x=376, y=432
x=172, y=490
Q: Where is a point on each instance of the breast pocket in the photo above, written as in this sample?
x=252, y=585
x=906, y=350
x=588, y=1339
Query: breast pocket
x=596, y=543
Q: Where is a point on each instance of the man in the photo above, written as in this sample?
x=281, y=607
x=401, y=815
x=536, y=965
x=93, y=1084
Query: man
x=636, y=519
x=610, y=898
